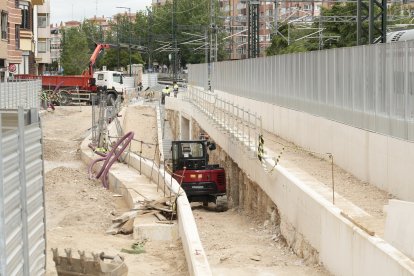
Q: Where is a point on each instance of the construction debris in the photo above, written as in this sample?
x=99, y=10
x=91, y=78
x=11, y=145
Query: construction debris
x=125, y=216
x=128, y=227
x=96, y=265
x=163, y=209
x=136, y=248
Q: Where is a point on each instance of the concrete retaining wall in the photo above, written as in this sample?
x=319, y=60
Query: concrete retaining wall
x=381, y=160
x=343, y=248
x=196, y=258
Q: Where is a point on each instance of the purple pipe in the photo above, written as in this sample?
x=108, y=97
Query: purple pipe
x=111, y=157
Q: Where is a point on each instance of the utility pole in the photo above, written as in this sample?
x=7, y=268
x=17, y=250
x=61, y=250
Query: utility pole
x=321, y=45
x=253, y=22
x=275, y=16
x=129, y=34
x=175, y=46
x=213, y=42
x=371, y=11
x=150, y=22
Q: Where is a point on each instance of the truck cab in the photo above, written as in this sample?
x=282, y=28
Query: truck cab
x=113, y=80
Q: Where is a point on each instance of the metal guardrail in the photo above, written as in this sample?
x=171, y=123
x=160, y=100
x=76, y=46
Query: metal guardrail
x=369, y=87
x=24, y=93
x=22, y=202
x=241, y=124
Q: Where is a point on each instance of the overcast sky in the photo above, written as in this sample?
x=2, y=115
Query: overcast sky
x=65, y=10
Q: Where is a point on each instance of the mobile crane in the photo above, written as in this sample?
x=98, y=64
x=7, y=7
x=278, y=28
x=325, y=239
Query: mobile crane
x=82, y=87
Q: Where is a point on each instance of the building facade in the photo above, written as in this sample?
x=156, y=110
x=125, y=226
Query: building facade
x=41, y=31
x=236, y=22
x=158, y=2
x=4, y=27
x=14, y=54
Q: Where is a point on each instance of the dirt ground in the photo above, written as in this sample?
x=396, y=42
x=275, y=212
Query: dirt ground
x=236, y=245
x=364, y=195
x=79, y=210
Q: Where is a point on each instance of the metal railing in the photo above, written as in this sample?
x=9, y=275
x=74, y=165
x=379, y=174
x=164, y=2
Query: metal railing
x=241, y=124
x=24, y=93
x=369, y=87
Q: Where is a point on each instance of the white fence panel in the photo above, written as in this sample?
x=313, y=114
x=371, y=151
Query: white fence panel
x=369, y=87
x=22, y=204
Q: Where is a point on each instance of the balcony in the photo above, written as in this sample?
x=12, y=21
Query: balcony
x=38, y=2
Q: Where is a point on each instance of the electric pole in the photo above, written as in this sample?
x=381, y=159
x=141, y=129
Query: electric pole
x=175, y=46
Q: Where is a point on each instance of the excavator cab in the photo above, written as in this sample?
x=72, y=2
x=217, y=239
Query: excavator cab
x=189, y=154
x=201, y=181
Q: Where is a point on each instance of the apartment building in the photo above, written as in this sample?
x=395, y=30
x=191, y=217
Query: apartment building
x=41, y=31
x=55, y=48
x=236, y=22
x=4, y=38
x=158, y=2
x=11, y=35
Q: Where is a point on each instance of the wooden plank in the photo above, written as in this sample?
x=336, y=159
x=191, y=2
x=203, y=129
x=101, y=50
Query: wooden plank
x=369, y=232
x=125, y=216
x=114, y=229
x=128, y=227
x=160, y=217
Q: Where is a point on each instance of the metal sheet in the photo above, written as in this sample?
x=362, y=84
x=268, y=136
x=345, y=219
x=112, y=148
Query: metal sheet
x=20, y=93
x=22, y=212
x=370, y=87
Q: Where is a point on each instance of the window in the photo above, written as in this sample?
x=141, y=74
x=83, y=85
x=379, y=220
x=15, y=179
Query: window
x=4, y=25
x=17, y=37
x=42, y=46
x=25, y=16
x=307, y=7
x=42, y=21
x=117, y=78
x=100, y=76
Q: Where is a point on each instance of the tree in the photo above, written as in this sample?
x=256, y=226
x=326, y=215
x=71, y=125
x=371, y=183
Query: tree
x=110, y=58
x=154, y=29
x=75, y=51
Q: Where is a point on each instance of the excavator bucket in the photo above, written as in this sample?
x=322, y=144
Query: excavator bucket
x=84, y=266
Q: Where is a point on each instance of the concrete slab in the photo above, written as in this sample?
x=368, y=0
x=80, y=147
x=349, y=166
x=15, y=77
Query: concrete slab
x=399, y=227
x=148, y=227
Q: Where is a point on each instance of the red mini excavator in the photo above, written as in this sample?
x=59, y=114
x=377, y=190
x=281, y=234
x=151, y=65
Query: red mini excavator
x=201, y=181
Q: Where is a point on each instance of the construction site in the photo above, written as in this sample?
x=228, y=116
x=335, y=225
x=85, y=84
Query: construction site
x=287, y=164
x=134, y=187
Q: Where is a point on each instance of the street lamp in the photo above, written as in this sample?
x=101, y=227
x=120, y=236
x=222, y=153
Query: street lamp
x=129, y=34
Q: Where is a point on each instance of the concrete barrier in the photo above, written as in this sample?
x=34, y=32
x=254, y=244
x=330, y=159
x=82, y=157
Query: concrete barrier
x=381, y=160
x=344, y=248
x=196, y=257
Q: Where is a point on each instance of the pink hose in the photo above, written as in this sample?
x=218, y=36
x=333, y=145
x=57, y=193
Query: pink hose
x=110, y=158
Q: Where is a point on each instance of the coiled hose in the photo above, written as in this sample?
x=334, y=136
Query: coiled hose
x=110, y=158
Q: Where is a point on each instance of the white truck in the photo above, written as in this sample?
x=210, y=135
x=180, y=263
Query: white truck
x=112, y=80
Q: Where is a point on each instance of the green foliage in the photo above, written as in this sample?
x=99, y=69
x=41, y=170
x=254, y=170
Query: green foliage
x=110, y=59
x=75, y=52
x=153, y=29
x=93, y=32
x=192, y=18
x=344, y=31
x=280, y=44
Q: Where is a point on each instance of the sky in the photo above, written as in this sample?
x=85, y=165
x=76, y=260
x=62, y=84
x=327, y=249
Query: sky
x=65, y=10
